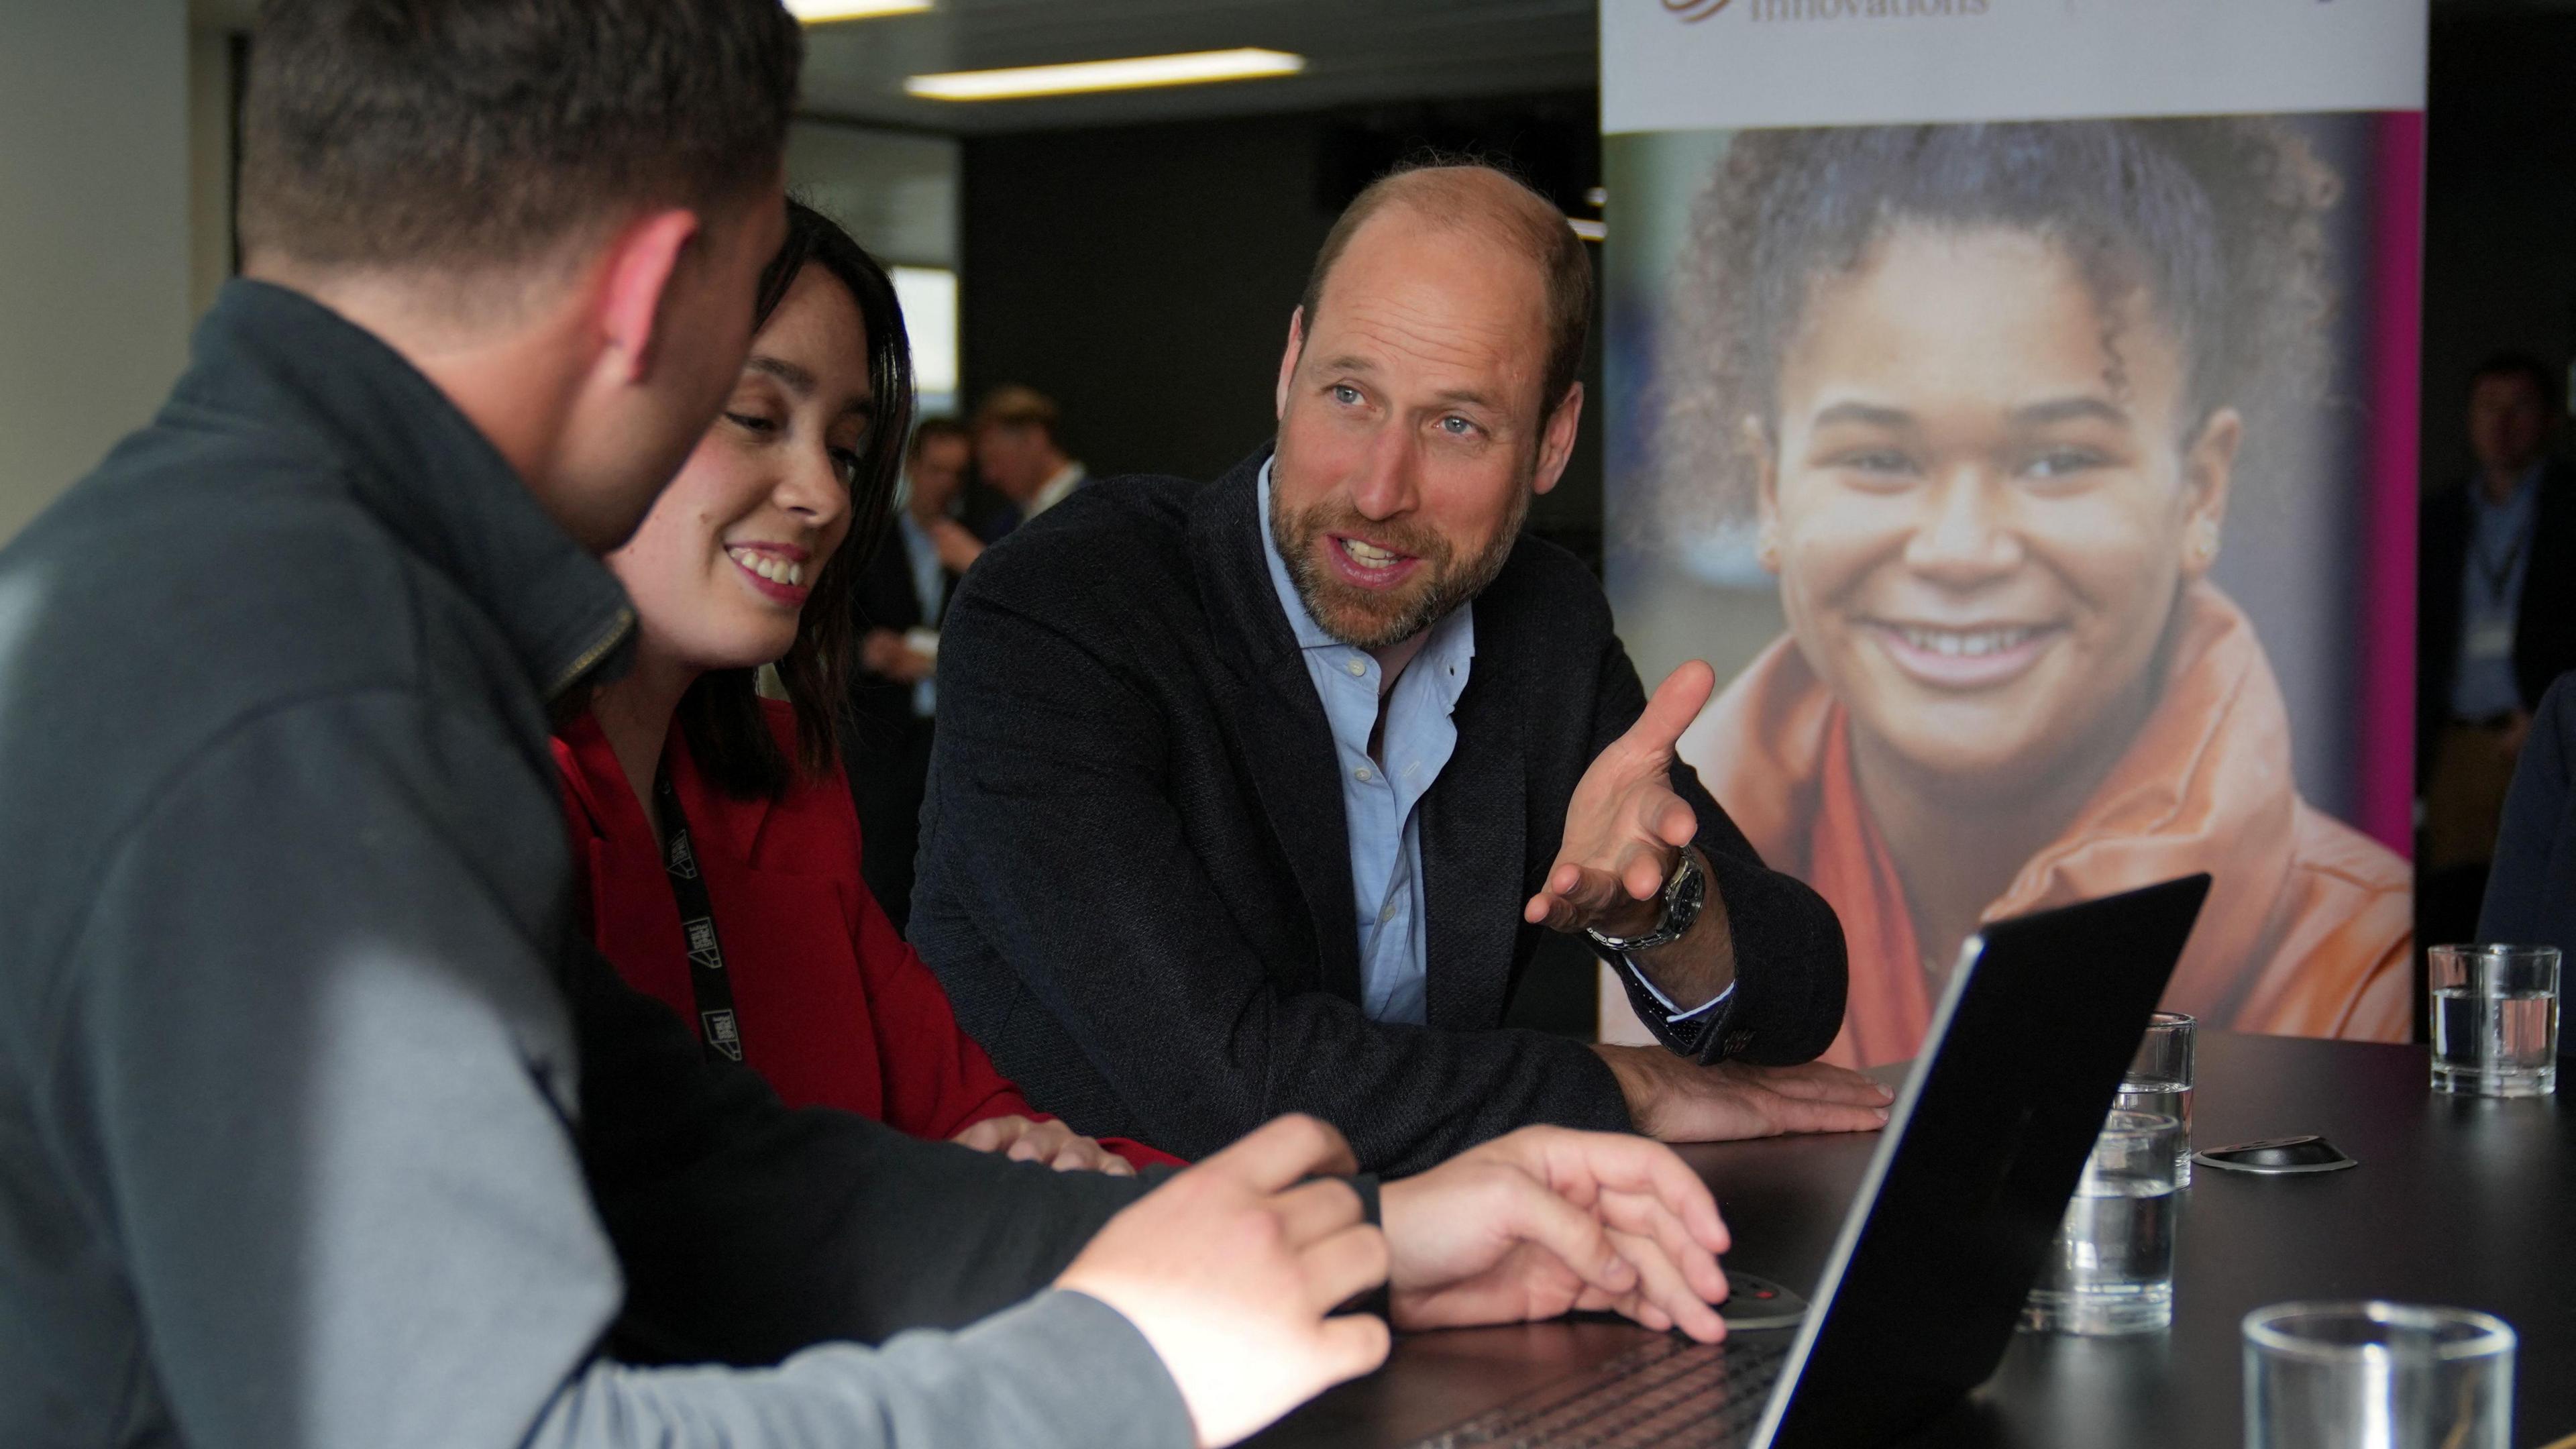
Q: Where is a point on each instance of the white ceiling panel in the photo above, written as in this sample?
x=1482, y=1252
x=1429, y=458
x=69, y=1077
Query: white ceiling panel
x=1357, y=51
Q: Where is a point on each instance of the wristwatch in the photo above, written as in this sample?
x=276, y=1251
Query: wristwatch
x=1684, y=894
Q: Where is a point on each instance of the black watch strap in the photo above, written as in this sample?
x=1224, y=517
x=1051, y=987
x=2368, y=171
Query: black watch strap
x=1685, y=893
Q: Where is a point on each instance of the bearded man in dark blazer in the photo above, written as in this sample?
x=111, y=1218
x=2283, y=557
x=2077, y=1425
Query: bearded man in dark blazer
x=1254, y=796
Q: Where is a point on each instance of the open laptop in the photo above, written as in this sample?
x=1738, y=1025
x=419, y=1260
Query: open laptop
x=1920, y=1295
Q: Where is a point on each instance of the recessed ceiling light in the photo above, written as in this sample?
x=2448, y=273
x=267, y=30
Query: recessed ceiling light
x=1587, y=229
x=816, y=12
x=1195, y=68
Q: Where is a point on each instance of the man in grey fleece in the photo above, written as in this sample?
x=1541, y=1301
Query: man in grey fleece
x=318, y=1126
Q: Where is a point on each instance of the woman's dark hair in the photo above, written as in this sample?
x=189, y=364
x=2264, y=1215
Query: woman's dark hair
x=2218, y=221
x=721, y=715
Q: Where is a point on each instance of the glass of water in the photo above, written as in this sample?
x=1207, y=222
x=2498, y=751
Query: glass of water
x=2495, y=1020
x=2385, y=1375
x=2159, y=1081
x=2110, y=1269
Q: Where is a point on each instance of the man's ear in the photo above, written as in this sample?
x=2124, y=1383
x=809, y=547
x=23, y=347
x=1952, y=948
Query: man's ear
x=1288, y=363
x=636, y=286
x=1556, y=439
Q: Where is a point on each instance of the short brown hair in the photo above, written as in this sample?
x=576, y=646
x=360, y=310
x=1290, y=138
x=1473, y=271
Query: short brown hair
x=1014, y=406
x=1461, y=195
x=465, y=135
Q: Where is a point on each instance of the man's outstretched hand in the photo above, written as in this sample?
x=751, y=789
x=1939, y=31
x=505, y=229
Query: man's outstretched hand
x=1548, y=1220
x=1625, y=827
x=1230, y=1268
x=1674, y=1099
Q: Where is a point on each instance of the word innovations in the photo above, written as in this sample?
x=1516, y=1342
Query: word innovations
x=1765, y=10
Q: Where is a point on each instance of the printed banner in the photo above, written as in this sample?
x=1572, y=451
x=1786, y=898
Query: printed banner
x=2014, y=401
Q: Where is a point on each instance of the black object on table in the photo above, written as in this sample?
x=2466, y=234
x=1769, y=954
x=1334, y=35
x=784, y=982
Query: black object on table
x=2464, y=1202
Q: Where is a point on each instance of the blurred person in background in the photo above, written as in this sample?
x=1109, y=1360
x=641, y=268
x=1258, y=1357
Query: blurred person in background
x=899, y=601
x=2531, y=892
x=2495, y=623
x=1019, y=450
x=1984, y=389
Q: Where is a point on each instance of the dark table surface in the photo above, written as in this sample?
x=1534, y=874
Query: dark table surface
x=2458, y=1201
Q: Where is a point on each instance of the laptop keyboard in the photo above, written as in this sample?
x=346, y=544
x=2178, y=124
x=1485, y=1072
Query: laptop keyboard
x=1668, y=1394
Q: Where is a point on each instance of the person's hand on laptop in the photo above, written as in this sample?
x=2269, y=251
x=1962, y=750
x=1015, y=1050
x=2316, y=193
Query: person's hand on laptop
x=1674, y=1099
x=1548, y=1220
x=1231, y=1268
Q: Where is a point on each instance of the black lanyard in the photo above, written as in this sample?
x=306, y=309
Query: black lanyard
x=717, y=1027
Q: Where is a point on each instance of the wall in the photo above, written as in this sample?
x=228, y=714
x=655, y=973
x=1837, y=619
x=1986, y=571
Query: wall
x=94, y=233
x=895, y=190
x=1142, y=277
x=214, y=62
x=2499, y=212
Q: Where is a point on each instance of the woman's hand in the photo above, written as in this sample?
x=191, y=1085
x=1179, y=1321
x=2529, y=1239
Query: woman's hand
x=1052, y=1143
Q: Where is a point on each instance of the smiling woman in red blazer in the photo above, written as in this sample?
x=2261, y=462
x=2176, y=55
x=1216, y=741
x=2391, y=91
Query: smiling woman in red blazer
x=717, y=848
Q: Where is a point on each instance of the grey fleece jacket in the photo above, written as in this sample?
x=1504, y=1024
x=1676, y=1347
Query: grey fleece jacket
x=318, y=1126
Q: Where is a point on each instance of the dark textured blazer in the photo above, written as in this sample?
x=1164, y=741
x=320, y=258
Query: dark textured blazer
x=2544, y=634
x=1135, y=874
x=2531, y=891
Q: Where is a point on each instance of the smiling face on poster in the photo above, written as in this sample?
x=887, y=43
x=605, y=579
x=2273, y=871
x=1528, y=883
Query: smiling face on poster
x=1932, y=441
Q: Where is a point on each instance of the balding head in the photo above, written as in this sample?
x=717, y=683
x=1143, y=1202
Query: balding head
x=1426, y=394
x=1486, y=203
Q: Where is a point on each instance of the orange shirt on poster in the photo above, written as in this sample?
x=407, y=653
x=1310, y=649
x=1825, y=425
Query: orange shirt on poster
x=2308, y=930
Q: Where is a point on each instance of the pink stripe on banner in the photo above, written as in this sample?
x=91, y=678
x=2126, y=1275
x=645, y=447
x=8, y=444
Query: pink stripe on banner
x=2387, y=796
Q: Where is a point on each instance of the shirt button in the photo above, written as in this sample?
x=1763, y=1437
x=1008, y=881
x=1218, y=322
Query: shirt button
x=1387, y=914
x=1363, y=774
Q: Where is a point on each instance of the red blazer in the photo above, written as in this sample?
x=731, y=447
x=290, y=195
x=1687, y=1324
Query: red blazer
x=835, y=1009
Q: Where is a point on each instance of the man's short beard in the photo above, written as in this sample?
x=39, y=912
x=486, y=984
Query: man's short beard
x=1329, y=601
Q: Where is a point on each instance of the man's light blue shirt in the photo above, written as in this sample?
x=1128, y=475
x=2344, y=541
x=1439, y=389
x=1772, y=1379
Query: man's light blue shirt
x=1380, y=800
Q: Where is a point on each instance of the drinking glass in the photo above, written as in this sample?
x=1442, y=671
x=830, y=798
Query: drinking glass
x=2495, y=1020
x=2110, y=1269
x=2159, y=1081
x=2377, y=1376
